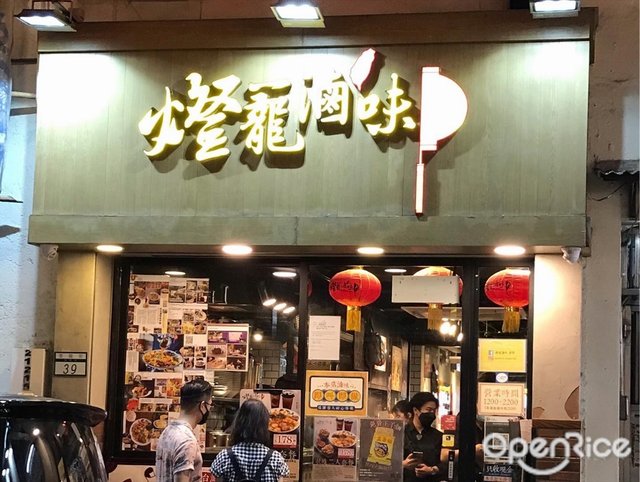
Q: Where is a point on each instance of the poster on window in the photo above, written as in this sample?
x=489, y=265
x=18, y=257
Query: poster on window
x=335, y=441
x=166, y=346
x=337, y=393
x=381, y=449
x=284, y=423
x=228, y=347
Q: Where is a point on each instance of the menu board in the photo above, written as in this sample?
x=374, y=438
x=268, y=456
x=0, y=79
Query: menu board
x=228, y=347
x=381, y=449
x=170, y=341
x=335, y=448
x=337, y=393
x=284, y=423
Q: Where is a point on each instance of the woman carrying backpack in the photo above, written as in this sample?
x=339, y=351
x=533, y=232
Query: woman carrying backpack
x=250, y=458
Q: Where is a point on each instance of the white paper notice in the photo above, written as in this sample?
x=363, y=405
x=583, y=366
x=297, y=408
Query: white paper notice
x=324, y=338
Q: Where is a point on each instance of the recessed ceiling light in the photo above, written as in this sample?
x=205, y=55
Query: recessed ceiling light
x=396, y=270
x=258, y=336
x=175, y=273
x=285, y=274
x=298, y=13
x=237, y=249
x=444, y=328
x=289, y=309
x=509, y=250
x=280, y=306
x=269, y=302
x=109, y=248
x=460, y=336
x=370, y=250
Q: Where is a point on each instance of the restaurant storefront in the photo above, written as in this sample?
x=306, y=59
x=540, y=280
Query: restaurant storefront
x=434, y=137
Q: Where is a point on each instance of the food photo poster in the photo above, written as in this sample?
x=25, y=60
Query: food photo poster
x=171, y=340
x=335, y=441
x=284, y=423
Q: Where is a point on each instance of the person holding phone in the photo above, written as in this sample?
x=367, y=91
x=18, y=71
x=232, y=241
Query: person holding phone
x=422, y=442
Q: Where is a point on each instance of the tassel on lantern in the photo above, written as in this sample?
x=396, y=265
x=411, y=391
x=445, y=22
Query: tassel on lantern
x=511, y=320
x=353, y=318
x=434, y=316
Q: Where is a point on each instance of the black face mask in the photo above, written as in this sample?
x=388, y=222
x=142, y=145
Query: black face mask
x=204, y=417
x=426, y=419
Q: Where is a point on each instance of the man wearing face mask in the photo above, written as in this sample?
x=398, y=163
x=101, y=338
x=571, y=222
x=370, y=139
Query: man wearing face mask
x=178, y=457
x=422, y=442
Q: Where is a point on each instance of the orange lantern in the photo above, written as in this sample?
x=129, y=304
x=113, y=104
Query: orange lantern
x=434, y=311
x=509, y=288
x=354, y=288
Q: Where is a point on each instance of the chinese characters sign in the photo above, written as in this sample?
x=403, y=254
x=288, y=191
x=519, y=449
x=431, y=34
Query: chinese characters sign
x=501, y=399
x=275, y=114
x=337, y=393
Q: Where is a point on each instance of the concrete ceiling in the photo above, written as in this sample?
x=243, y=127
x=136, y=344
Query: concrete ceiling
x=141, y=10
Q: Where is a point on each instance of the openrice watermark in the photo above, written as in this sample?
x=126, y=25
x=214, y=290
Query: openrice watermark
x=515, y=451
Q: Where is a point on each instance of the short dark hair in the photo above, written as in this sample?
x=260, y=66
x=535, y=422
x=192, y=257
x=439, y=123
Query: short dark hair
x=420, y=398
x=194, y=392
x=402, y=406
x=251, y=424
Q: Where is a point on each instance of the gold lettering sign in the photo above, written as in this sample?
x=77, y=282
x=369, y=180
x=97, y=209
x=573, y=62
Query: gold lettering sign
x=272, y=120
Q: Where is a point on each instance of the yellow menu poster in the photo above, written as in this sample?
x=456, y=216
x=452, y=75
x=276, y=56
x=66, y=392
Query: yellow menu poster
x=500, y=355
x=337, y=393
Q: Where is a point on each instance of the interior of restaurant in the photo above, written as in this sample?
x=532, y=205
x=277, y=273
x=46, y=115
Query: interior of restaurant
x=404, y=347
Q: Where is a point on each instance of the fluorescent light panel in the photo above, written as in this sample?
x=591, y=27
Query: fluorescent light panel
x=554, y=8
x=301, y=14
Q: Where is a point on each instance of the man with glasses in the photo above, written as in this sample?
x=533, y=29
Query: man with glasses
x=178, y=457
x=422, y=442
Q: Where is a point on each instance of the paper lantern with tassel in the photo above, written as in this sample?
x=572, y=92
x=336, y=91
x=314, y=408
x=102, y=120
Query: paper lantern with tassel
x=509, y=288
x=434, y=310
x=354, y=288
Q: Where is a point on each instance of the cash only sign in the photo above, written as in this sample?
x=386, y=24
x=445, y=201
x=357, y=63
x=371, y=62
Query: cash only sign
x=274, y=115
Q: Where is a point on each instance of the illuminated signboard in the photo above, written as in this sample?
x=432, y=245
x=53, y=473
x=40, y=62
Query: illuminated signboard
x=276, y=114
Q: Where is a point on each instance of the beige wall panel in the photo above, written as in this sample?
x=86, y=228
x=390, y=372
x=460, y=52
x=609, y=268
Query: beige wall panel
x=556, y=338
x=74, y=319
x=504, y=161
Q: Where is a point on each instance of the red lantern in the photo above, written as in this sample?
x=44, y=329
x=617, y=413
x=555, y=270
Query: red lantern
x=434, y=311
x=354, y=288
x=509, y=288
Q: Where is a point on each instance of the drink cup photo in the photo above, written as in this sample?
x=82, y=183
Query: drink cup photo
x=275, y=399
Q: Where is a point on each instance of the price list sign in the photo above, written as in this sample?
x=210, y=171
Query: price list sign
x=70, y=364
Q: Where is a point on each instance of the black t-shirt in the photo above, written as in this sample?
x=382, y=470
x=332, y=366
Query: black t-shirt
x=429, y=442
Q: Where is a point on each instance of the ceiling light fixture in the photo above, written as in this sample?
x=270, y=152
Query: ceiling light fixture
x=289, y=309
x=269, y=302
x=175, y=273
x=285, y=274
x=258, y=335
x=280, y=307
x=298, y=13
x=554, y=8
x=370, y=250
x=445, y=327
x=54, y=18
x=509, y=250
x=237, y=249
x=460, y=337
x=109, y=248
x=395, y=270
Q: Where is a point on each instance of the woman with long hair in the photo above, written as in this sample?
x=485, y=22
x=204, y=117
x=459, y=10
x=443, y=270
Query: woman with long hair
x=250, y=456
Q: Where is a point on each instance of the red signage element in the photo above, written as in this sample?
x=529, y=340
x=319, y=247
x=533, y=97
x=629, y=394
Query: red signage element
x=448, y=423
